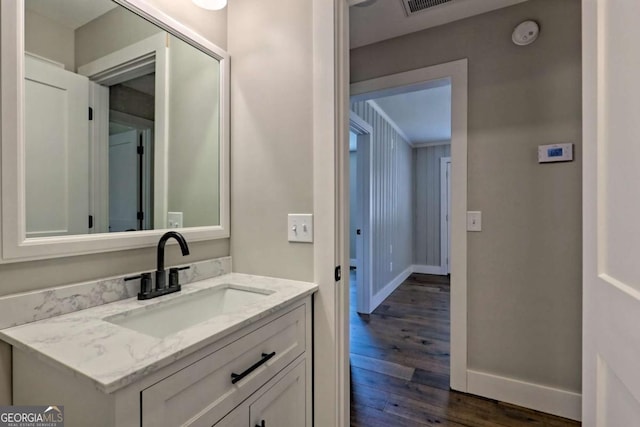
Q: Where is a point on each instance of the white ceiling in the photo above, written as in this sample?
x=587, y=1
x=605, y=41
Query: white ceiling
x=385, y=19
x=423, y=116
x=70, y=13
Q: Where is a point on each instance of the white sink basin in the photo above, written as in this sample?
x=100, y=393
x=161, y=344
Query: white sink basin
x=166, y=318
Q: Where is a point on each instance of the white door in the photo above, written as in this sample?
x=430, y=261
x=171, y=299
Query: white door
x=56, y=150
x=123, y=181
x=611, y=202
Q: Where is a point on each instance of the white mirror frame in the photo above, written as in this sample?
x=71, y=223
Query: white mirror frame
x=15, y=246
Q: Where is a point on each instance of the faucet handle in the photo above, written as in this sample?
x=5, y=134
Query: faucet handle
x=145, y=282
x=174, y=278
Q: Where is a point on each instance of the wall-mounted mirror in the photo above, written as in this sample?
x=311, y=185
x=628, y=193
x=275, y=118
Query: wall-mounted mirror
x=116, y=128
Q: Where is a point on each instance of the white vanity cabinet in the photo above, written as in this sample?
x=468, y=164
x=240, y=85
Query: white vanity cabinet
x=271, y=356
x=279, y=403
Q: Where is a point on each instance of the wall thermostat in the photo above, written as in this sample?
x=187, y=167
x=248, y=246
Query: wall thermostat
x=555, y=153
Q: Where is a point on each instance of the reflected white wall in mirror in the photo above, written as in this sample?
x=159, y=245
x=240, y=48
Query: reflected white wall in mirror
x=114, y=119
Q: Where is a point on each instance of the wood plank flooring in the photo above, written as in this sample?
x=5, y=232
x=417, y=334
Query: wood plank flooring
x=400, y=366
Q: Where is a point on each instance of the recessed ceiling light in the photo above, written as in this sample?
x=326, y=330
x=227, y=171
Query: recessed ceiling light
x=211, y=4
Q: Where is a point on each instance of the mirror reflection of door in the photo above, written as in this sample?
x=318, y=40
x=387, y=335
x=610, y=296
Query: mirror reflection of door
x=56, y=150
x=123, y=181
x=131, y=120
x=130, y=175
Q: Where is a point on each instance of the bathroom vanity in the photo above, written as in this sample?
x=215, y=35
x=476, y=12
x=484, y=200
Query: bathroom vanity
x=158, y=363
x=84, y=172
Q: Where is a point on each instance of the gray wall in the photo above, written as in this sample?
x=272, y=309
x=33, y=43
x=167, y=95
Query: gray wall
x=426, y=185
x=49, y=39
x=524, y=268
x=194, y=140
x=392, y=199
x=131, y=101
x=112, y=31
x=272, y=148
x=119, y=28
x=26, y=276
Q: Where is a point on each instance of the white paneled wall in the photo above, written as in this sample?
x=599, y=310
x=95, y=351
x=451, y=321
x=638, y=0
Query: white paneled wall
x=426, y=238
x=392, y=204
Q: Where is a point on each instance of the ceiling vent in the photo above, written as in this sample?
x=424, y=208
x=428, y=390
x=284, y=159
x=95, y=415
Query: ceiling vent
x=415, y=6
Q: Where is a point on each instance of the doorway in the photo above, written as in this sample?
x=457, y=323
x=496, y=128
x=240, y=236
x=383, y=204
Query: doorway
x=403, y=334
x=456, y=74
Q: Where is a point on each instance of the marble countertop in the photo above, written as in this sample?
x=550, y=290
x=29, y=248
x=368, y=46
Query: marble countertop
x=113, y=356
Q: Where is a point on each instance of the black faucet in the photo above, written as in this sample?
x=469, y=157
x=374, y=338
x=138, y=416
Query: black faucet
x=161, y=277
x=161, y=288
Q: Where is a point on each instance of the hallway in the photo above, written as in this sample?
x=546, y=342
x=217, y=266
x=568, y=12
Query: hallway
x=400, y=366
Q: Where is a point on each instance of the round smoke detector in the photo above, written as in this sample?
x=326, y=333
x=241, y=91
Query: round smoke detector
x=525, y=33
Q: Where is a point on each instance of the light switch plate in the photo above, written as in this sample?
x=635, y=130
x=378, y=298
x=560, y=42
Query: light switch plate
x=474, y=221
x=300, y=228
x=174, y=220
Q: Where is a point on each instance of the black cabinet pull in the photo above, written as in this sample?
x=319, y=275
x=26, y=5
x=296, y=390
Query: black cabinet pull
x=237, y=377
x=262, y=424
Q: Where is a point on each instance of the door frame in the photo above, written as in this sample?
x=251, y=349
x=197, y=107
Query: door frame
x=445, y=225
x=138, y=59
x=331, y=382
x=364, y=244
x=422, y=78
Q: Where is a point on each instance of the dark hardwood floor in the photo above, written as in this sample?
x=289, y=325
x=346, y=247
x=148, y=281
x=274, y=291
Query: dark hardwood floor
x=400, y=366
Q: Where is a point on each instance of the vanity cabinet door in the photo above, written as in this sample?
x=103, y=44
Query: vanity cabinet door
x=202, y=393
x=237, y=418
x=284, y=404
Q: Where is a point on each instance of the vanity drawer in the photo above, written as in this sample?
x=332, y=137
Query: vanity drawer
x=202, y=393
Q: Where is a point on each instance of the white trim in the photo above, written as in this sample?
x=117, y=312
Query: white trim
x=456, y=73
x=130, y=120
x=46, y=60
x=148, y=55
x=389, y=120
x=551, y=400
x=359, y=124
x=382, y=294
x=395, y=84
x=330, y=100
x=428, y=269
x=364, y=248
x=431, y=144
x=15, y=246
x=444, y=210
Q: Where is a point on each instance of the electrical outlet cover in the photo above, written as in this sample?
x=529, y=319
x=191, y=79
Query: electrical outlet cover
x=174, y=219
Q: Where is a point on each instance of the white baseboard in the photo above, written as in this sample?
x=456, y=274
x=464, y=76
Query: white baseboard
x=428, y=269
x=383, y=293
x=535, y=396
x=353, y=262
